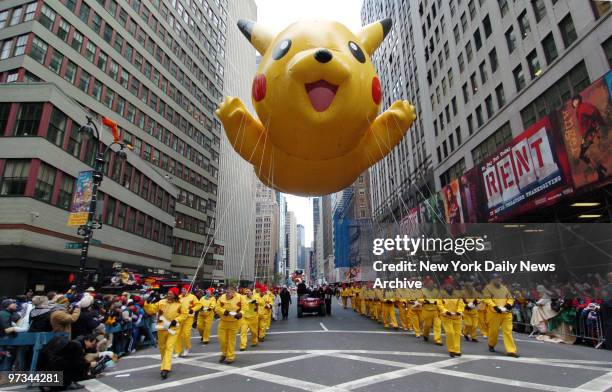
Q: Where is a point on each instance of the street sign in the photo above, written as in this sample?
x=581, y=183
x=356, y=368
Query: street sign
x=79, y=245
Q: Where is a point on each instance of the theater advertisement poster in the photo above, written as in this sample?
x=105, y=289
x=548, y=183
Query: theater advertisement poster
x=532, y=171
x=452, y=203
x=585, y=127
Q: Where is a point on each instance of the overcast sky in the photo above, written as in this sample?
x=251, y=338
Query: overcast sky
x=278, y=14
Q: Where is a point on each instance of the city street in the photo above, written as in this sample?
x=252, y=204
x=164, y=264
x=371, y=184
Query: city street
x=346, y=352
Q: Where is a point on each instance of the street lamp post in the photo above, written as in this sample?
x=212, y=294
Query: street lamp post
x=90, y=131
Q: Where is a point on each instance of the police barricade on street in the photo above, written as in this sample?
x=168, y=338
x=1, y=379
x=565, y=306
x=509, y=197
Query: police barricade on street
x=575, y=326
x=36, y=340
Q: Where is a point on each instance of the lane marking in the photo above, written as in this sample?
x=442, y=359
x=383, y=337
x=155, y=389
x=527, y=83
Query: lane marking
x=175, y=361
x=599, y=384
x=324, y=327
x=234, y=370
x=94, y=385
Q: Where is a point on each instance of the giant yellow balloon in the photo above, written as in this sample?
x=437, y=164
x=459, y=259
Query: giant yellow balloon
x=317, y=96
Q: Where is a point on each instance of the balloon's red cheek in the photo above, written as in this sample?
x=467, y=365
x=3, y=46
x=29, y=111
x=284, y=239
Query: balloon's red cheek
x=376, y=90
x=259, y=87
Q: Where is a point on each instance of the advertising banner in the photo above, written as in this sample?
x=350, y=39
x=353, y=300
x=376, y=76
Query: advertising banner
x=468, y=188
x=81, y=199
x=531, y=171
x=585, y=128
x=452, y=203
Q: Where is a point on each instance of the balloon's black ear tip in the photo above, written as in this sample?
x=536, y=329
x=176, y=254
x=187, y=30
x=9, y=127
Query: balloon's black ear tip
x=246, y=27
x=386, y=25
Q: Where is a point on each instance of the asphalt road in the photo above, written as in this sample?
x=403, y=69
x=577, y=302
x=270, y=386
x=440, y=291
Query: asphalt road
x=346, y=352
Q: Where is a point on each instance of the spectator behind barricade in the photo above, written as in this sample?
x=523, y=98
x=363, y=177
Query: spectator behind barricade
x=8, y=328
x=606, y=311
x=40, y=316
x=138, y=316
x=51, y=295
x=88, y=319
x=64, y=315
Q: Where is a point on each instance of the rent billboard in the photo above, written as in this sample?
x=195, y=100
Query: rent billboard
x=531, y=171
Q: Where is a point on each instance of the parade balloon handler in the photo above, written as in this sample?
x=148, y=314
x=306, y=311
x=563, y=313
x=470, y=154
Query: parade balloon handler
x=192, y=305
x=499, y=307
x=206, y=315
x=170, y=315
x=229, y=310
x=250, y=321
x=317, y=98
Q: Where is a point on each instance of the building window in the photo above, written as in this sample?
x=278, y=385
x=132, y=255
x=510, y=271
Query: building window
x=453, y=172
x=70, y=73
x=489, y=106
x=28, y=119
x=463, y=22
x=519, y=78
x=534, y=64
x=523, y=22
x=7, y=46
x=64, y=198
x=458, y=135
x=121, y=214
x=466, y=95
x=5, y=109
x=97, y=89
x=77, y=41
x=90, y=51
x=16, y=17
x=63, y=29
x=84, y=81
x=140, y=223
x=550, y=49
x=109, y=215
x=3, y=18
x=21, y=45
x=477, y=39
x=57, y=127
x=131, y=220
x=47, y=17
x=607, y=48
x=483, y=72
x=30, y=11
x=539, y=9
x=486, y=23
x=568, y=32
x=102, y=59
x=599, y=7
x=44, y=183
x=39, y=50
x=474, y=83
x=479, y=117
x=492, y=144
x=472, y=9
x=470, y=123
x=84, y=12
x=503, y=7
x=493, y=60
x=510, y=39
x=74, y=141
x=55, y=64
x=15, y=177
x=456, y=33
x=501, y=97
x=461, y=62
x=468, y=51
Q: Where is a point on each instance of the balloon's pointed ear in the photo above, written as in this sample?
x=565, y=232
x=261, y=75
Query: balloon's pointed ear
x=257, y=35
x=372, y=35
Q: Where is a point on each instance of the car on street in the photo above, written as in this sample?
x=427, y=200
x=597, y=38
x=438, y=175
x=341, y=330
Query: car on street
x=312, y=305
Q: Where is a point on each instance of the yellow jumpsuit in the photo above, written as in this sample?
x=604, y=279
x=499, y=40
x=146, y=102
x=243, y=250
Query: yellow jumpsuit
x=355, y=298
x=344, y=294
x=166, y=341
x=228, y=325
x=368, y=302
x=206, y=316
x=250, y=320
x=192, y=304
x=388, y=309
x=261, y=319
x=402, y=300
x=269, y=304
x=430, y=315
x=499, y=296
x=378, y=298
x=452, y=323
x=414, y=310
x=470, y=314
x=482, y=317
x=362, y=300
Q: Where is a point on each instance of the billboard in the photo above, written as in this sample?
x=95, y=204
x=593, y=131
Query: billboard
x=531, y=171
x=451, y=196
x=585, y=128
x=81, y=199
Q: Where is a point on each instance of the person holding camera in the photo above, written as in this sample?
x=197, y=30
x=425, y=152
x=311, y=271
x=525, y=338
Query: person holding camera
x=171, y=313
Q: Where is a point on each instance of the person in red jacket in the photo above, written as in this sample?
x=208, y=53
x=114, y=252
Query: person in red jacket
x=590, y=122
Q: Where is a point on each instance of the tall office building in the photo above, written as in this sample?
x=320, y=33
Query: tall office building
x=327, y=230
x=301, y=242
x=290, y=244
x=485, y=72
x=237, y=182
x=404, y=176
x=266, y=233
x=317, y=260
x=157, y=68
x=282, y=235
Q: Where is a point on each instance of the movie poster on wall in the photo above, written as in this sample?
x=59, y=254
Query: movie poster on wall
x=452, y=203
x=585, y=128
x=468, y=188
x=531, y=171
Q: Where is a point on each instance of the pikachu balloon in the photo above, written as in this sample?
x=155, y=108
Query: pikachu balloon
x=317, y=98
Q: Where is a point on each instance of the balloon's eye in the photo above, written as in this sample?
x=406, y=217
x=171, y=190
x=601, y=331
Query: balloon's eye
x=281, y=49
x=357, y=52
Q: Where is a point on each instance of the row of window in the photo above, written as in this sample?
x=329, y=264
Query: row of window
x=190, y=223
x=55, y=61
x=63, y=132
x=16, y=15
x=102, y=60
x=56, y=188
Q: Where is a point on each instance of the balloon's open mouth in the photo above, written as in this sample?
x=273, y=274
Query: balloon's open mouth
x=321, y=94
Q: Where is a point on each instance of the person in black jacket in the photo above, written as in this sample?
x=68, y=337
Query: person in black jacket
x=66, y=356
x=285, y=297
x=329, y=293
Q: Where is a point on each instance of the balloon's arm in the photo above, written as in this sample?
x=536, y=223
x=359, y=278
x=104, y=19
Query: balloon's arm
x=243, y=130
x=387, y=130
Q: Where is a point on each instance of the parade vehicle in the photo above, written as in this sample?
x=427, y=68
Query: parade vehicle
x=309, y=304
